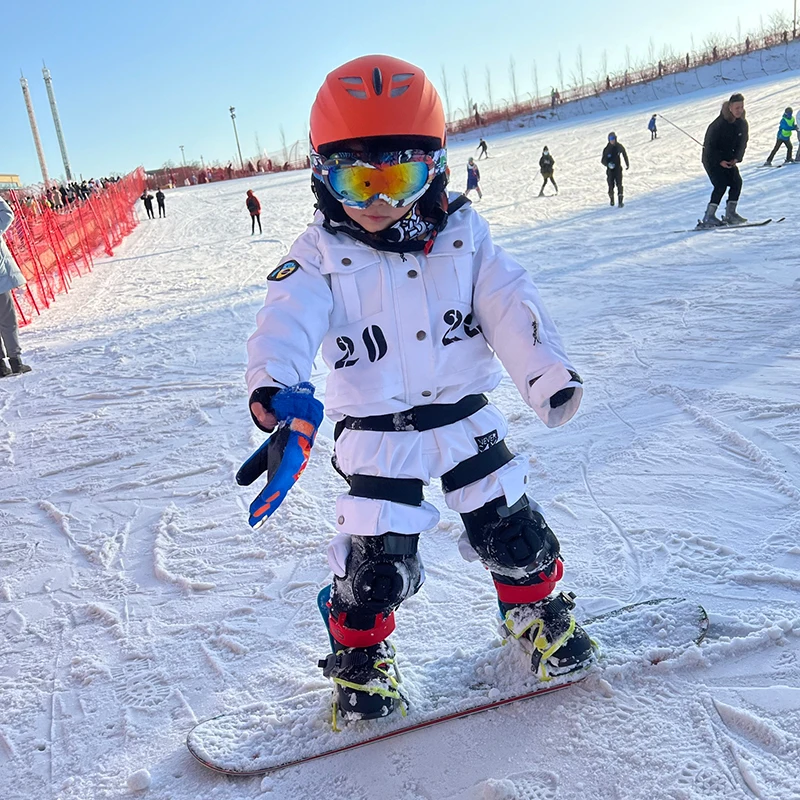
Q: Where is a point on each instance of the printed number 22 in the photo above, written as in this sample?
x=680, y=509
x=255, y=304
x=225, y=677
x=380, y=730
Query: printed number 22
x=454, y=318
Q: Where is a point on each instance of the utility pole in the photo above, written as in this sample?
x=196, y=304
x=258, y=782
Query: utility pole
x=35, y=131
x=794, y=21
x=236, y=134
x=48, y=82
x=183, y=157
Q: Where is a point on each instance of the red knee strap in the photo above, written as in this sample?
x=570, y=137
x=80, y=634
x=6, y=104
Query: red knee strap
x=350, y=637
x=516, y=595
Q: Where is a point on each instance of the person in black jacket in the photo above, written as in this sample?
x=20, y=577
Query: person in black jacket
x=147, y=199
x=546, y=165
x=162, y=209
x=723, y=148
x=613, y=154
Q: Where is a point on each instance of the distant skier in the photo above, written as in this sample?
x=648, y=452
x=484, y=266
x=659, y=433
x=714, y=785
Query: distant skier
x=162, y=209
x=723, y=148
x=147, y=199
x=612, y=157
x=546, y=165
x=787, y=125
x=484, y=149
x=651, y=126
x=473, y=178
x=254, y=207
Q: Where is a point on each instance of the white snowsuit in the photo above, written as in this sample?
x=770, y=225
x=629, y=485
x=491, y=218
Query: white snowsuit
x=402, y=331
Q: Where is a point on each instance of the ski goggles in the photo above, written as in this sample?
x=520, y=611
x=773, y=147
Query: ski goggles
x=399, y=178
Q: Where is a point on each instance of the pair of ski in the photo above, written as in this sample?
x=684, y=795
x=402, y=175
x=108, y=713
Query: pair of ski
x=759, y=224
x=268, y=737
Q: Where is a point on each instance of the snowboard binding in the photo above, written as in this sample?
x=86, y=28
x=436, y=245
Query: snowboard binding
x=548, y=631
x=366, y=682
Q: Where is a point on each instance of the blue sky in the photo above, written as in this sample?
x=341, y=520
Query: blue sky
x=134, y=81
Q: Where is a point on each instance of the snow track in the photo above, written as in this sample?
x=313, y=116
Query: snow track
x=135, y=600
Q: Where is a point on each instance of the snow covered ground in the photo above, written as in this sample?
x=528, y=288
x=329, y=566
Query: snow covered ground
x=135, y=600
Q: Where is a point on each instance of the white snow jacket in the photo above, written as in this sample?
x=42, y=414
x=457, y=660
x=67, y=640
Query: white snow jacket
x=10, y=275
x=401, y=331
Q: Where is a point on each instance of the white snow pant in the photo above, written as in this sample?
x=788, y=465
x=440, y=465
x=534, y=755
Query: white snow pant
x=420, y=455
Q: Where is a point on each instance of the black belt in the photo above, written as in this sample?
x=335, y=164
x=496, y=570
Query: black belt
x=418, y=418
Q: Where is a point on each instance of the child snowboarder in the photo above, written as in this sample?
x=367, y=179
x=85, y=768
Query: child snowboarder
x=613, y=153
x=785, y=128
x=651, y=126
x=378, y=279
x=254, y=207
x=473, y=178
x=546, y=165
x=723, y=148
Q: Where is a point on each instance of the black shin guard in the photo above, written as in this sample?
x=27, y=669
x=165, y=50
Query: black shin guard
x=381, y=572
x=515, y=543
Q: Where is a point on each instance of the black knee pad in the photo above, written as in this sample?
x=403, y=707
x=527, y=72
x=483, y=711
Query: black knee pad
x=514, y=543
x=381, y=572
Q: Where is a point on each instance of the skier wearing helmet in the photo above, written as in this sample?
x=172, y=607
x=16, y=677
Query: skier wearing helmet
x=473, y=178
x=415, y=309
x=612, y=157
x=785, y=128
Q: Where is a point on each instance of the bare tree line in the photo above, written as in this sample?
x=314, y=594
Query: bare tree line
x=714, y=46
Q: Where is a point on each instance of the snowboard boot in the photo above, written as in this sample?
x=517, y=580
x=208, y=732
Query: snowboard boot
x=366, y=681
x=17, y=367
x=548, y=631
x=621, y=202
x=5, y=370
x=731, y=217
x=710, y=219
x=611, y=198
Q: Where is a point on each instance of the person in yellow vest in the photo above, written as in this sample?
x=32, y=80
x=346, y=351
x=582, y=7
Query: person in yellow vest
x=787, y=125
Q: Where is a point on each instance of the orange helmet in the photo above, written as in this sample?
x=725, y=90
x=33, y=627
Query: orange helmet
x=376, y=96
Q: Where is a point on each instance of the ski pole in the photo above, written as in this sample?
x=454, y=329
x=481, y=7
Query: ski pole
x=681, y=130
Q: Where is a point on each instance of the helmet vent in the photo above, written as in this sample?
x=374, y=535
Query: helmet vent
x=398, y=90
x=377, y=80
x=402, y=76
x=359, y=94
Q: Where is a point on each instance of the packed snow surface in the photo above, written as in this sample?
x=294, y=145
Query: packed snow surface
x=135, y=600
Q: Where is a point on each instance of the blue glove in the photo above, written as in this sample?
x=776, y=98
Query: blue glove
x=285, y=454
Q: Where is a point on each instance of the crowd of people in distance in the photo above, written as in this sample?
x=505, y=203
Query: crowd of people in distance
x=59, y=196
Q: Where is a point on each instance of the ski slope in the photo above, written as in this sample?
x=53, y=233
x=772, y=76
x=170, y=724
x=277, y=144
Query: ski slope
x=135, y=600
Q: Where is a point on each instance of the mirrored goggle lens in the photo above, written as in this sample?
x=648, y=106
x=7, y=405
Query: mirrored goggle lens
x=357, y=183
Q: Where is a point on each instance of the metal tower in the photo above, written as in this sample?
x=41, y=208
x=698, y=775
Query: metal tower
x=48, y=82
x=35, y=130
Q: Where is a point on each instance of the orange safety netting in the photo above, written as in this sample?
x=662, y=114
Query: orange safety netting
x=54, y=246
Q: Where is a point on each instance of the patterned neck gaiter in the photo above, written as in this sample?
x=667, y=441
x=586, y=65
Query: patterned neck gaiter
x=412, y=233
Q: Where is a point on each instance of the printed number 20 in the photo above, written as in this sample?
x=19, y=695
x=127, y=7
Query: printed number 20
x=374, y=342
